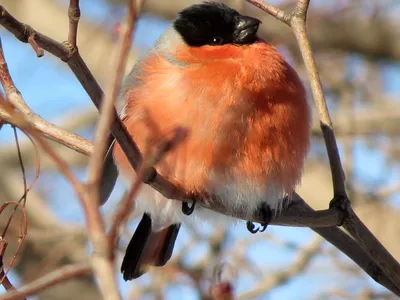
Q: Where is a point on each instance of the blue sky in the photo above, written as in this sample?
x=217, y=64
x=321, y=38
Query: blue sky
x=51, y=91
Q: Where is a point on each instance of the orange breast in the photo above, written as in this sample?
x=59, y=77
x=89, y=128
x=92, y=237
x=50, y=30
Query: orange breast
x=245, y=109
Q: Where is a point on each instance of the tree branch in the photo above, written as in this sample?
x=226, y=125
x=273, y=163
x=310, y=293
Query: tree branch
x=340, y=32
x=350, y=221
x=276, y=279
x=78, y=66
x=129, y=147
x=60, y=275
x=101, y=263
x=74, y=14
x=102, y=251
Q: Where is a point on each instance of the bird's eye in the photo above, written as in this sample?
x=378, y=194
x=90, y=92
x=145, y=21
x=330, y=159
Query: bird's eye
x=217, y=40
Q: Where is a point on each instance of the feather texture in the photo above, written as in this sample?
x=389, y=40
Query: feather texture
x=148, y=248
x=248, y=120
x=248, y=124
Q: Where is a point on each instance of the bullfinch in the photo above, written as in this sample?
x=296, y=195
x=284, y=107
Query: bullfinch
x=248, y=123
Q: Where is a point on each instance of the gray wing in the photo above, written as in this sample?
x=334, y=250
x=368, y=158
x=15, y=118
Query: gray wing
x=110, y=173
x=110, y=170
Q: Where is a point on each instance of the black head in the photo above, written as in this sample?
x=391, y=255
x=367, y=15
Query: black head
x=212, y=23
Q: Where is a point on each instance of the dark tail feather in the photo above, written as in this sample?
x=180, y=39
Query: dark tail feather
x=148, y=248
x=168, y=244
x=110, y=173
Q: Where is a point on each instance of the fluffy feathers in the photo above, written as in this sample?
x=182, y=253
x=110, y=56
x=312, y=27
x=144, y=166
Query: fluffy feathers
x=247, y=116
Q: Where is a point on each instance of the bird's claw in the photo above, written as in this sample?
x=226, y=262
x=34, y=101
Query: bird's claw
x=251, y=227
x=263, y=227
x=266, y=214
x=188, y=210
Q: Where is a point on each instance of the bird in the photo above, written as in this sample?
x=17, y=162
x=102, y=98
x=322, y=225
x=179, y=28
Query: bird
x=248, y=121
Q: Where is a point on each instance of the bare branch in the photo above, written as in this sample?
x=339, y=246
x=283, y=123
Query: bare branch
x=51, y=279
x=101, y=265
x=102, y=252
x=276, y=279
x=373, y=247
x=74, y=14
x=31, y=40
x=302, y=8
x=272, y=10
x=23, y=32
x=351, y=222
x=299, y=28
x=107, y=107
x=159, y=183
x=338, y=32
x=85, y=77
x=125, y=207
x=297, y=22
x=47, y=129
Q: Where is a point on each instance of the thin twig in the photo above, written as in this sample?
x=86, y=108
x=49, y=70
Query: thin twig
x=85, y=77
x=96, y=230
x=351, y=222
x=9, y=287
x=48, y=129
x=78, y=66
x=7, y=283
x=74, y=13
x=60, y=275
x=293, y=216
x=21, y=163
x=93, y=89
x=101, y=256
x=31, y=40
x=298, y=23
x=276, y=279
x=21, y=238
x=272, y=10
x=107, y=108
x=125, y=207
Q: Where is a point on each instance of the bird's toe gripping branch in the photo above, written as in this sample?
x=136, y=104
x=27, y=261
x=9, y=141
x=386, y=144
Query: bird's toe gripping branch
x=266, y=214
x=187, y=209
x=341, y=203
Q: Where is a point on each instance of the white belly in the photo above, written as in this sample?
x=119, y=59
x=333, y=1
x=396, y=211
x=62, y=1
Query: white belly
x=244, y=197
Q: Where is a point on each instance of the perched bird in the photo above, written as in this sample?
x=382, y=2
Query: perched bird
x=247, y=118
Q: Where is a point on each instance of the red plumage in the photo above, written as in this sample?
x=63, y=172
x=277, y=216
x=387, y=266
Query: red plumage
x=245, y=109
x=246, y=112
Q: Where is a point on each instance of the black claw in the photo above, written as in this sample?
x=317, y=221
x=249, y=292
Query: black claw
x=251, y=227
x=341, y=203
x=266, y=215
x=263, y=227
x=188, y=210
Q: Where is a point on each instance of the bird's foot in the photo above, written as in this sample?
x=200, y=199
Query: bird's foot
x=266, y=215
x=188, y=210
x=341, y=203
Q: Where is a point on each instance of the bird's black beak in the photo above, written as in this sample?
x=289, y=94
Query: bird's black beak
x=245, y=30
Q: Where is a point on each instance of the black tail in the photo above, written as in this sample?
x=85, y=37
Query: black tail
x=148, y=248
